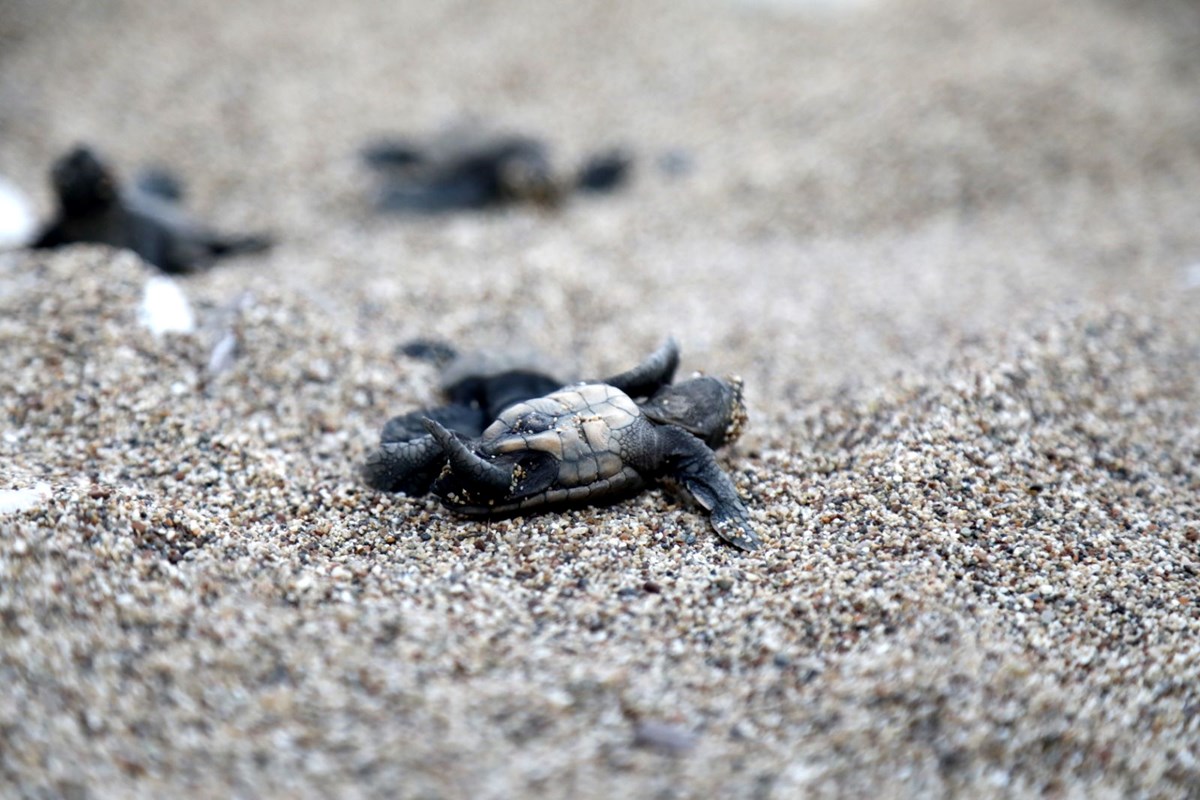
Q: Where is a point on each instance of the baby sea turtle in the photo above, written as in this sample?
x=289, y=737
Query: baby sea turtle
x=147, y=218
x=468, y=169
x=583, y=443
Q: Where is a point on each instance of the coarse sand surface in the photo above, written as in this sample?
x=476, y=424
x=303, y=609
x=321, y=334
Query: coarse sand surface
x=953, y=248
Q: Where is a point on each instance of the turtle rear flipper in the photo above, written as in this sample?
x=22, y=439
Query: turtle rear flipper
x=692, y=464
x=646, y=378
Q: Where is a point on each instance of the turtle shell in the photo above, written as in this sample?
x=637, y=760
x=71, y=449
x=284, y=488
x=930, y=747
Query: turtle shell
x=564, y=447
x=580, y=426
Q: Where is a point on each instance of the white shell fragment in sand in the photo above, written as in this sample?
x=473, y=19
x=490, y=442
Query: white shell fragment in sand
x=663, y=736
x=223, y=353
x=15, y=500
x=165, y=308
x=17, y=223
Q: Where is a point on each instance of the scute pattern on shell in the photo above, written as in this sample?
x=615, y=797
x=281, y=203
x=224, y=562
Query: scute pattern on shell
x=579, y=426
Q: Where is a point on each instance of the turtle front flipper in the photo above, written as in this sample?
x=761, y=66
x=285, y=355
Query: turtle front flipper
x=462, y=418
x=161, y=235
x=690, y=462
x=514, y=386
x=409, y=457
x=404, y=466
x=646, y=378
x=490, y=477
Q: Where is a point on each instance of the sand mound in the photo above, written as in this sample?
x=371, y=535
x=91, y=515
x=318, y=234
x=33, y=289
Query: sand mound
x=985, y=579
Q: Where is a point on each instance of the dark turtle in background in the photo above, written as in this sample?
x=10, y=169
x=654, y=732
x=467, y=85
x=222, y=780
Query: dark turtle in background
x=146, y=218
x=579, y=444
x=467, y=169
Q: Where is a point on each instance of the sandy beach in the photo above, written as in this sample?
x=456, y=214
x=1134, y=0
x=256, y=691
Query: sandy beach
x=953, y=249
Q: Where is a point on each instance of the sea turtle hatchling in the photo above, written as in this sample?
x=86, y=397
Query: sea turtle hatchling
x=146, y=217
x=467, y=167
x=587, y=443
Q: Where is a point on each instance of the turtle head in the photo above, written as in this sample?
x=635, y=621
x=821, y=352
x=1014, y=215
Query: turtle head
x=83, y=183
x=524, y=174
x=710, y=408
